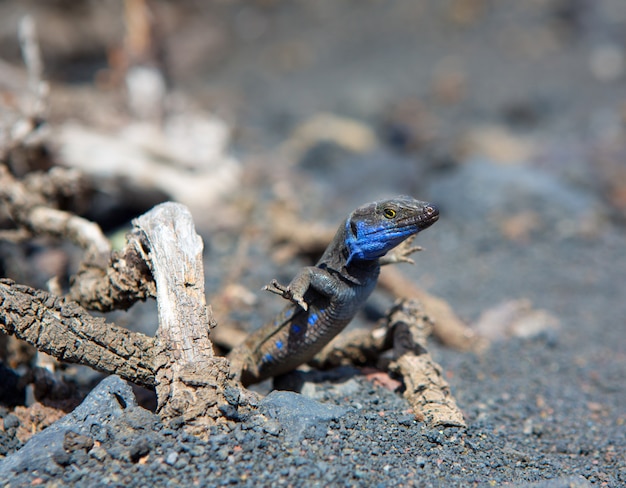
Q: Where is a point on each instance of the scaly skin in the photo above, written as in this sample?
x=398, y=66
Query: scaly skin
x=325, y=297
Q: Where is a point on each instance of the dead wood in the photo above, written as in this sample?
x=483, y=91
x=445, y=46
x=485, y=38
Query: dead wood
x=190, y=381
x=33, y=212
x=125, y=281
x=426, y=389
x=163, y=251
x=104, y=281
x=68, y=332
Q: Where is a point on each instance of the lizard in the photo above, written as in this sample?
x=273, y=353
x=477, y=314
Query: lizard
x=325, y=297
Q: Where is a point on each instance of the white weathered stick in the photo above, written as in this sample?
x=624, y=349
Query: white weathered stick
x=189, y=379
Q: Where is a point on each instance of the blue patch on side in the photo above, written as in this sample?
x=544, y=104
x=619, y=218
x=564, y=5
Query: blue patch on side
x=295, y=328
x=267, y=358
x=279, y=344
x=288, y=313
x=312, y=319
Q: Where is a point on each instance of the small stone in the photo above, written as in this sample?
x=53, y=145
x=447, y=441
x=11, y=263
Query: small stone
x=177, y=422
x=407, y=419
x=230, y=412
x=98, y=453
x=435, y=437
x=73, y=441
x=62, y=458
x=11, y=422
x=171, y=458
x=271, y=427
x=140, y=448
x=300, y=417
x=222, y=454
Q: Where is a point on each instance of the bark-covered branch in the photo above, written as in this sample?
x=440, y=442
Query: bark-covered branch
x=125, y=281
x=68, y=332
x=104, y=281
x=189, y=380
x=32, y=211
x=426, y=389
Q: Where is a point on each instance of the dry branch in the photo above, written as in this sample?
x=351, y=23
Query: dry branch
x=33, y=212
x=104, y=281
x=125, y=281
x=426, y=389
x=190, y=381
x=66, y=331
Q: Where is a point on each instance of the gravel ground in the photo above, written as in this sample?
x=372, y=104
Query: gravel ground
x=547, y=410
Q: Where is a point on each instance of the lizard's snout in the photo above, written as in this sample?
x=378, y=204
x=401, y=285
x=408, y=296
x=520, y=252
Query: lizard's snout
x=431, y=214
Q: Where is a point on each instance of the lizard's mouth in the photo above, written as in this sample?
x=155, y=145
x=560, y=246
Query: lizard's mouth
x=429, y=216
x=423, y=218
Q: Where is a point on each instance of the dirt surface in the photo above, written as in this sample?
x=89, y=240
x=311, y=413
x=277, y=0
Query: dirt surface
x=511, y=116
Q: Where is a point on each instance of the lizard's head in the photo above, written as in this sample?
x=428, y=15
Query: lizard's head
x=375, y=229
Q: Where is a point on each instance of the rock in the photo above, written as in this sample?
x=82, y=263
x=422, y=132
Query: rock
x=300, y=417
x=106, y=402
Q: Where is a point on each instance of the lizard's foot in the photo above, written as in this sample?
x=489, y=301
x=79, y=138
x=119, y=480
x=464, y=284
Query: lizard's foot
x=401, y=253
x=286, y=292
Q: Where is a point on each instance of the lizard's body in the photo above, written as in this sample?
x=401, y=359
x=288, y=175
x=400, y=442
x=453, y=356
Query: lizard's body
x=325, y=297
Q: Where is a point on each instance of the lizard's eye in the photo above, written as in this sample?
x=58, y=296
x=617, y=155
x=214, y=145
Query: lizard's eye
x=389, y=213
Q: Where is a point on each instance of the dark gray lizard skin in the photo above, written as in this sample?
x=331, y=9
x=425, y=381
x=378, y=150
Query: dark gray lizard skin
x=325, y=297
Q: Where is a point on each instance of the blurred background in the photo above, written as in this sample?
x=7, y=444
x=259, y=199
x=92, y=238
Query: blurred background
x=510, y=115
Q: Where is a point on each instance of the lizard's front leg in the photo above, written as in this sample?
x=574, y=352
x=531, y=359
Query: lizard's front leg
x=310, y=277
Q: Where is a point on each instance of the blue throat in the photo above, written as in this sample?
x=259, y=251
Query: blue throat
x=373, y=242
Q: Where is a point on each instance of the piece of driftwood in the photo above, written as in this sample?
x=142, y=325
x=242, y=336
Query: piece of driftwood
x=426, y=389
x=68, y=332
x=190, y=380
